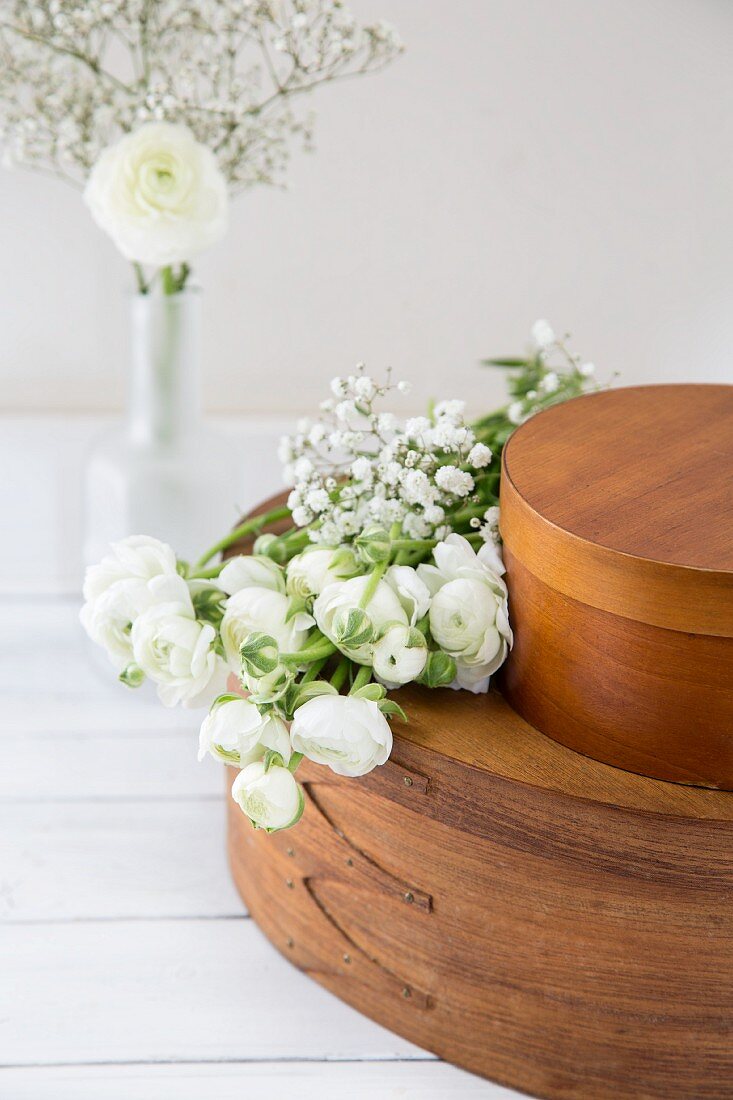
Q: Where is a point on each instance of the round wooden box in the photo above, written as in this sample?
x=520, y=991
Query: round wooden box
x=523, y=911
x=617, y=522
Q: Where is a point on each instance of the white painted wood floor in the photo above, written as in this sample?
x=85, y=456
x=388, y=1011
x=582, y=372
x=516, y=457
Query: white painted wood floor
x=128, y=968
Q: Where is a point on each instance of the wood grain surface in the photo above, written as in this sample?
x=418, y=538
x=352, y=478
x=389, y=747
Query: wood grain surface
x=624, y=500
x=617, y=520
x=526, y=912
x=542, y=919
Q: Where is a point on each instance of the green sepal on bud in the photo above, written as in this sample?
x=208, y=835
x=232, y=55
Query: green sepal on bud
x=132, y=676
x=297, y=605
x=273, y=547
x=272, y=759
x=373, y=545
x=392, y=709
x=439, y=671
x=352, y=627
x=208, y=604
x=373, y=692
x=182, y=568
x=301, y=693
x=262, y=542
x=225, y=697
x=259, y=653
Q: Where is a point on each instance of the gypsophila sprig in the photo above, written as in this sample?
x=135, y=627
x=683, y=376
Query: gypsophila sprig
x=356, y=467
x=386, y=570
x=76, y=76
x=549, y=374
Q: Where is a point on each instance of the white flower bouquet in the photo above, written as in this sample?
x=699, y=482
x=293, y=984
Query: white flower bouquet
x=389, y=573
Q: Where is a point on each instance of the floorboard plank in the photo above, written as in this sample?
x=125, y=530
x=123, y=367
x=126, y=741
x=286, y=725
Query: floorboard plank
x=128, y=764
x=298, y=1080
x=105, y=860
x=168, y=991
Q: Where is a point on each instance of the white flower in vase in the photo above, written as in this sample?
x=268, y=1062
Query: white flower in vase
x=349, y=734
x=174, y=649
x=270, y=797
x=261, y=610
x=235, y=732
x=159, y=194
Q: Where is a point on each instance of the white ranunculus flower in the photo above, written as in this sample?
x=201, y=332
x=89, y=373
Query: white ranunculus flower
x=159, y=194
x=175, y=650
x=311, y=571
x=468, y=614
x=399, y=655
x=271, y=799
x=263, y=610
x=349, y=734
x=117, y=590
x=251, y=571
x=412, y=592
x=383, y=608
x=235, y=732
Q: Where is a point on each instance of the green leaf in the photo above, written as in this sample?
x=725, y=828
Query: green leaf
x=303, y=692
x=392, y=709
x=507, y=363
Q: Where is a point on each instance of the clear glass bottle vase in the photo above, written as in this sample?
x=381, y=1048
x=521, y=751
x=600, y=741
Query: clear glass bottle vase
x=163, y=473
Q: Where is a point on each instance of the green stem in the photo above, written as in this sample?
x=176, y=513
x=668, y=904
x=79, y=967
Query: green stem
x=206, y=574
x=320, y=649
x=295, y=759
x=372, y=582
x=361, y=679
x=249, y=527
x=167, y=280
x=313, y=671
x=142, y=286
x=339, y=676
x=171, y=282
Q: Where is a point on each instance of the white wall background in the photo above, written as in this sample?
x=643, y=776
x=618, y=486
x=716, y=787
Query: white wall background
x=562, y=158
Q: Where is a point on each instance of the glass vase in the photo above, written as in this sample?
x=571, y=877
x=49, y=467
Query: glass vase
x=162, y=473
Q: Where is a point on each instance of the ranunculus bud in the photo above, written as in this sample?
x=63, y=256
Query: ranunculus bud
x=259, y=609
x=309, y=573
x=260, y=654
x=383, y=609
x=400, y=655
x=439, y=671
x=251, y=571
x=270, y=797
x=373, y=545
x=352, y=627
x=234, y=731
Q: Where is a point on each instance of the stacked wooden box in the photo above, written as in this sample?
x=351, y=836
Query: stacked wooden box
x=532, y=886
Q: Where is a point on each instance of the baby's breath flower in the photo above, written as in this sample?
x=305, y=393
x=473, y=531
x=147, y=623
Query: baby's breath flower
x=77, y=76
x=454, y=481
x=479, y=456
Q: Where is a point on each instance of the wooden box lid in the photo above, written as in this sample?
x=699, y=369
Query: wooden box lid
x=617, y=520
x=624, y=500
